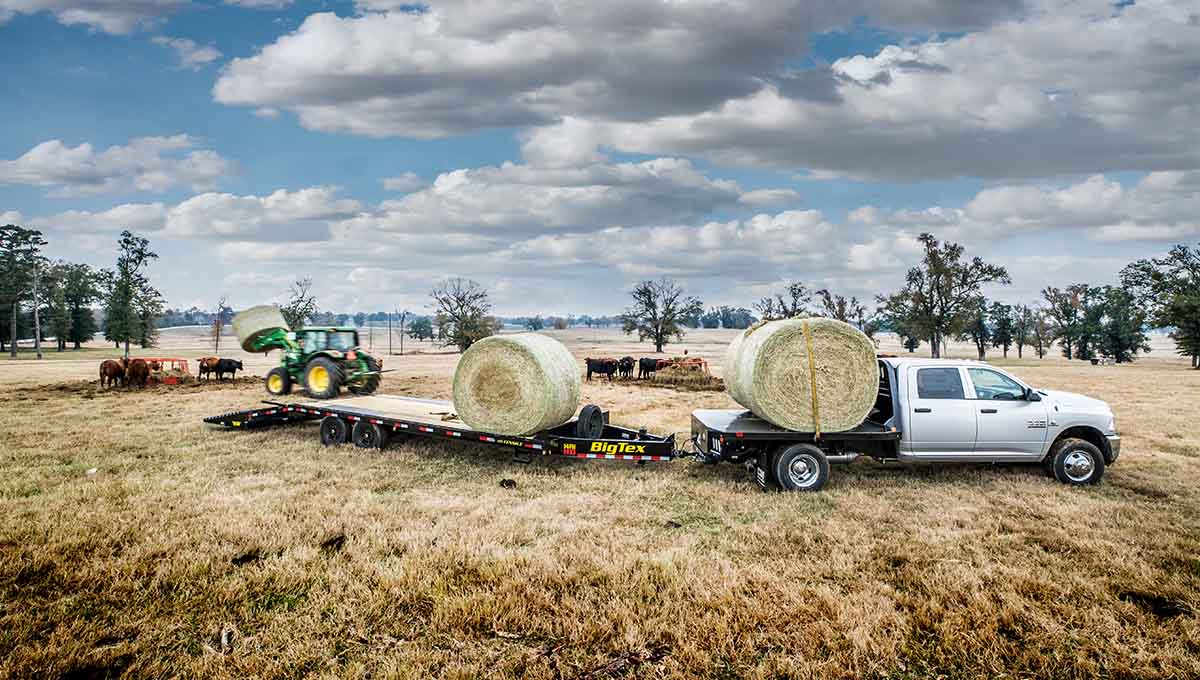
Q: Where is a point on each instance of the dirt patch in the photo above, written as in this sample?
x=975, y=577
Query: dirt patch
x=684, y=379
x=90, y=389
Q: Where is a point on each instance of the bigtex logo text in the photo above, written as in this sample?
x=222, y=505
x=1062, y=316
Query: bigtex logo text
x=601, y=447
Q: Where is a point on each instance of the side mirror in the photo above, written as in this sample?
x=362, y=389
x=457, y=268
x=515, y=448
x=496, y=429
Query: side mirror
x=1031, y=395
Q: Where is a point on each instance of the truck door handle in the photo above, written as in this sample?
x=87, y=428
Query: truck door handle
x=922, y=410
x=987, y=410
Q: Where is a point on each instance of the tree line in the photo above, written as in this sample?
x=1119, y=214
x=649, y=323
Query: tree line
x=42, y=298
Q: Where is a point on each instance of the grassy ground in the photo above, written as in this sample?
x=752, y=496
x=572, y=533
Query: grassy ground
x=134, y=539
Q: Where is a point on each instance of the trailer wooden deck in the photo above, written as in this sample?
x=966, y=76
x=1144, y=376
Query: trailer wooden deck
x=437, y=412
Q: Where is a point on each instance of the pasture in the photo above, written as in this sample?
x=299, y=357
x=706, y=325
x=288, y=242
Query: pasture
x=136, y=540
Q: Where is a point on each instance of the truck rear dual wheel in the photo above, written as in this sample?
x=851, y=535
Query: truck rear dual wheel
x=800, y=467
x=1076, y=462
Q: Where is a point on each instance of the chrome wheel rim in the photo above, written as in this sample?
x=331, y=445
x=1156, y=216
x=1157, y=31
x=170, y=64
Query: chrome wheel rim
x=1078, y=466
x=803, y=471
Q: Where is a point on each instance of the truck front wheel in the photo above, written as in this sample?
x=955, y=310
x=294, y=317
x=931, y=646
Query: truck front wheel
x=800, y=467
x=1077, y=462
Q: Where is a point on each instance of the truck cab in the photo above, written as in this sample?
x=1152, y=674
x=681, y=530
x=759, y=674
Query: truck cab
x=929, y=410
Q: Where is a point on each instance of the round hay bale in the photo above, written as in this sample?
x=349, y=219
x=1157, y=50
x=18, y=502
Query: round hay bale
x=255, y=322
x=766, y=370
x=516, y=384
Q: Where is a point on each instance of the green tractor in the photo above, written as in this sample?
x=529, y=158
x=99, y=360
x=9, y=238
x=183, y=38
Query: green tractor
x=321, y=358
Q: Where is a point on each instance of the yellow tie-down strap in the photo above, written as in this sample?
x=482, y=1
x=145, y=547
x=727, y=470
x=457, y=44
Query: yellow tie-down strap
x=812, y=377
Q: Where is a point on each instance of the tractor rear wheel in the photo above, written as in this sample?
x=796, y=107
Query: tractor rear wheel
x=369, y=384
x=278, y=382
x=322, y=378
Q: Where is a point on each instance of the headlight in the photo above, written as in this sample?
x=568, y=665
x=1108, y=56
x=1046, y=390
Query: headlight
x=1112, y=424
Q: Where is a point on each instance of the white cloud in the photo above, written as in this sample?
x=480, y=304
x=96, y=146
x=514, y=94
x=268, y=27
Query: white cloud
x=460, y=65
x=761, y=198
x=259, y=4
x=404, y=182
x=281, y=216
x=513, y=200
x=11, y=217
x=110, y=16
x=140, y=217
x=149, y=164
x=190, y=54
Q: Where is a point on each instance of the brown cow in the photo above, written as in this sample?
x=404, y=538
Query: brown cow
x=137, y=373
x=207, y=365
x=111, y=373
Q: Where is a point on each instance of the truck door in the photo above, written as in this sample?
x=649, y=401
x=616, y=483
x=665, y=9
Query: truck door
x=941, y=420
x=1009, y=426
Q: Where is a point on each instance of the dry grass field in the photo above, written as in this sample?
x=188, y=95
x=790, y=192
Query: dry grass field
x=136, y=541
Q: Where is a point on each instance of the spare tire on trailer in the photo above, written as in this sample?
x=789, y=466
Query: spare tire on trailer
x=252, y=324
x=516, y=384
x=767, y=369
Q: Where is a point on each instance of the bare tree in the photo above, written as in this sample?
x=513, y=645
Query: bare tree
x=218, y=324
x=658, y=311
x=462, y=306
x=791, y=302
x=301, y=305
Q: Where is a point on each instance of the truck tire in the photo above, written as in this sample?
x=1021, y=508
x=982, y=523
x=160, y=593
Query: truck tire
x=369, y=435
x=1077, y=462
x=368, y=384
x=333, y=431
x=322, y=378
x=278, y=382
x=800, y=467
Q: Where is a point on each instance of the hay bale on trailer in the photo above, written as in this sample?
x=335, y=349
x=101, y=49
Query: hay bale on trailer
x=516, y=384
x=768, y=370
x=256, y=323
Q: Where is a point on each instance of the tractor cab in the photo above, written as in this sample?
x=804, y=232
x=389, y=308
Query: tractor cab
x=313, y=340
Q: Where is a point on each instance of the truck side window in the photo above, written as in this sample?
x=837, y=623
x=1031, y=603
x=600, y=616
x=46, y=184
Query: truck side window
x=993, y=385
x=939, y=383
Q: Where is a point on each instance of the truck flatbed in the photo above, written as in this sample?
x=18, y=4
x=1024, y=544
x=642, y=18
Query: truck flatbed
x=369, y=421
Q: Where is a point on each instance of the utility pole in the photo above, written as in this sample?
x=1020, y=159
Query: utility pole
x=403, y=315
x=389, y=333
x=37, y=322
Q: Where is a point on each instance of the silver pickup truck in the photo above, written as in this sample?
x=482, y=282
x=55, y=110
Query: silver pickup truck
x=934, y=410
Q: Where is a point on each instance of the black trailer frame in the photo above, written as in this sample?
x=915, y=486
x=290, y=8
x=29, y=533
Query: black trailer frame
x=739, y=436
x=612, y=443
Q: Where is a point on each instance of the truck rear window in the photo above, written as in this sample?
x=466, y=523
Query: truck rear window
x=939, y=383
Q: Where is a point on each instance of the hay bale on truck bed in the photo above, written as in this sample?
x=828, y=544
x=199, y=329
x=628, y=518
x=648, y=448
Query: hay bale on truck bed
x=255, y=322
x=516, y=384
x=767, y=370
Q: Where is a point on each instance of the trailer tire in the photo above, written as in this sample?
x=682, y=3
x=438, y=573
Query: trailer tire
x=334, y=431
x=590, y=424
x=800, y=467
x=278, y=382
x=1077, y=462
x=369, y=435
x=322, y=378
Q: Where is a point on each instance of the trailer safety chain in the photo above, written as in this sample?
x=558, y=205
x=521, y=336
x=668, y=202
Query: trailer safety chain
x=812, y=377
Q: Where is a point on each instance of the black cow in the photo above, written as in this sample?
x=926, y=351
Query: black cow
x=230, y=366
x=625, y=366
x=646, y=367
x=603, y=366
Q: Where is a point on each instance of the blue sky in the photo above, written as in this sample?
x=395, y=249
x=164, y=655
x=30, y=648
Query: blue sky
x=558, y=152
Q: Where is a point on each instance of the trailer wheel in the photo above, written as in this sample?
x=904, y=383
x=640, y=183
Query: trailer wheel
x=322, y=378
x=278, y=382
x=369, y=435
x=333, y=431
x=1077, y=462
x=800, y=467
x=590, y=424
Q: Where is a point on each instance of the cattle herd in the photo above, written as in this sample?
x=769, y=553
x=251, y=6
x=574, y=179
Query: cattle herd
x=646, y=366
x=136, y=372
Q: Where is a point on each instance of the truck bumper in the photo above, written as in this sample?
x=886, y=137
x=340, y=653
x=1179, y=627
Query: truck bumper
x=1114, y=447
